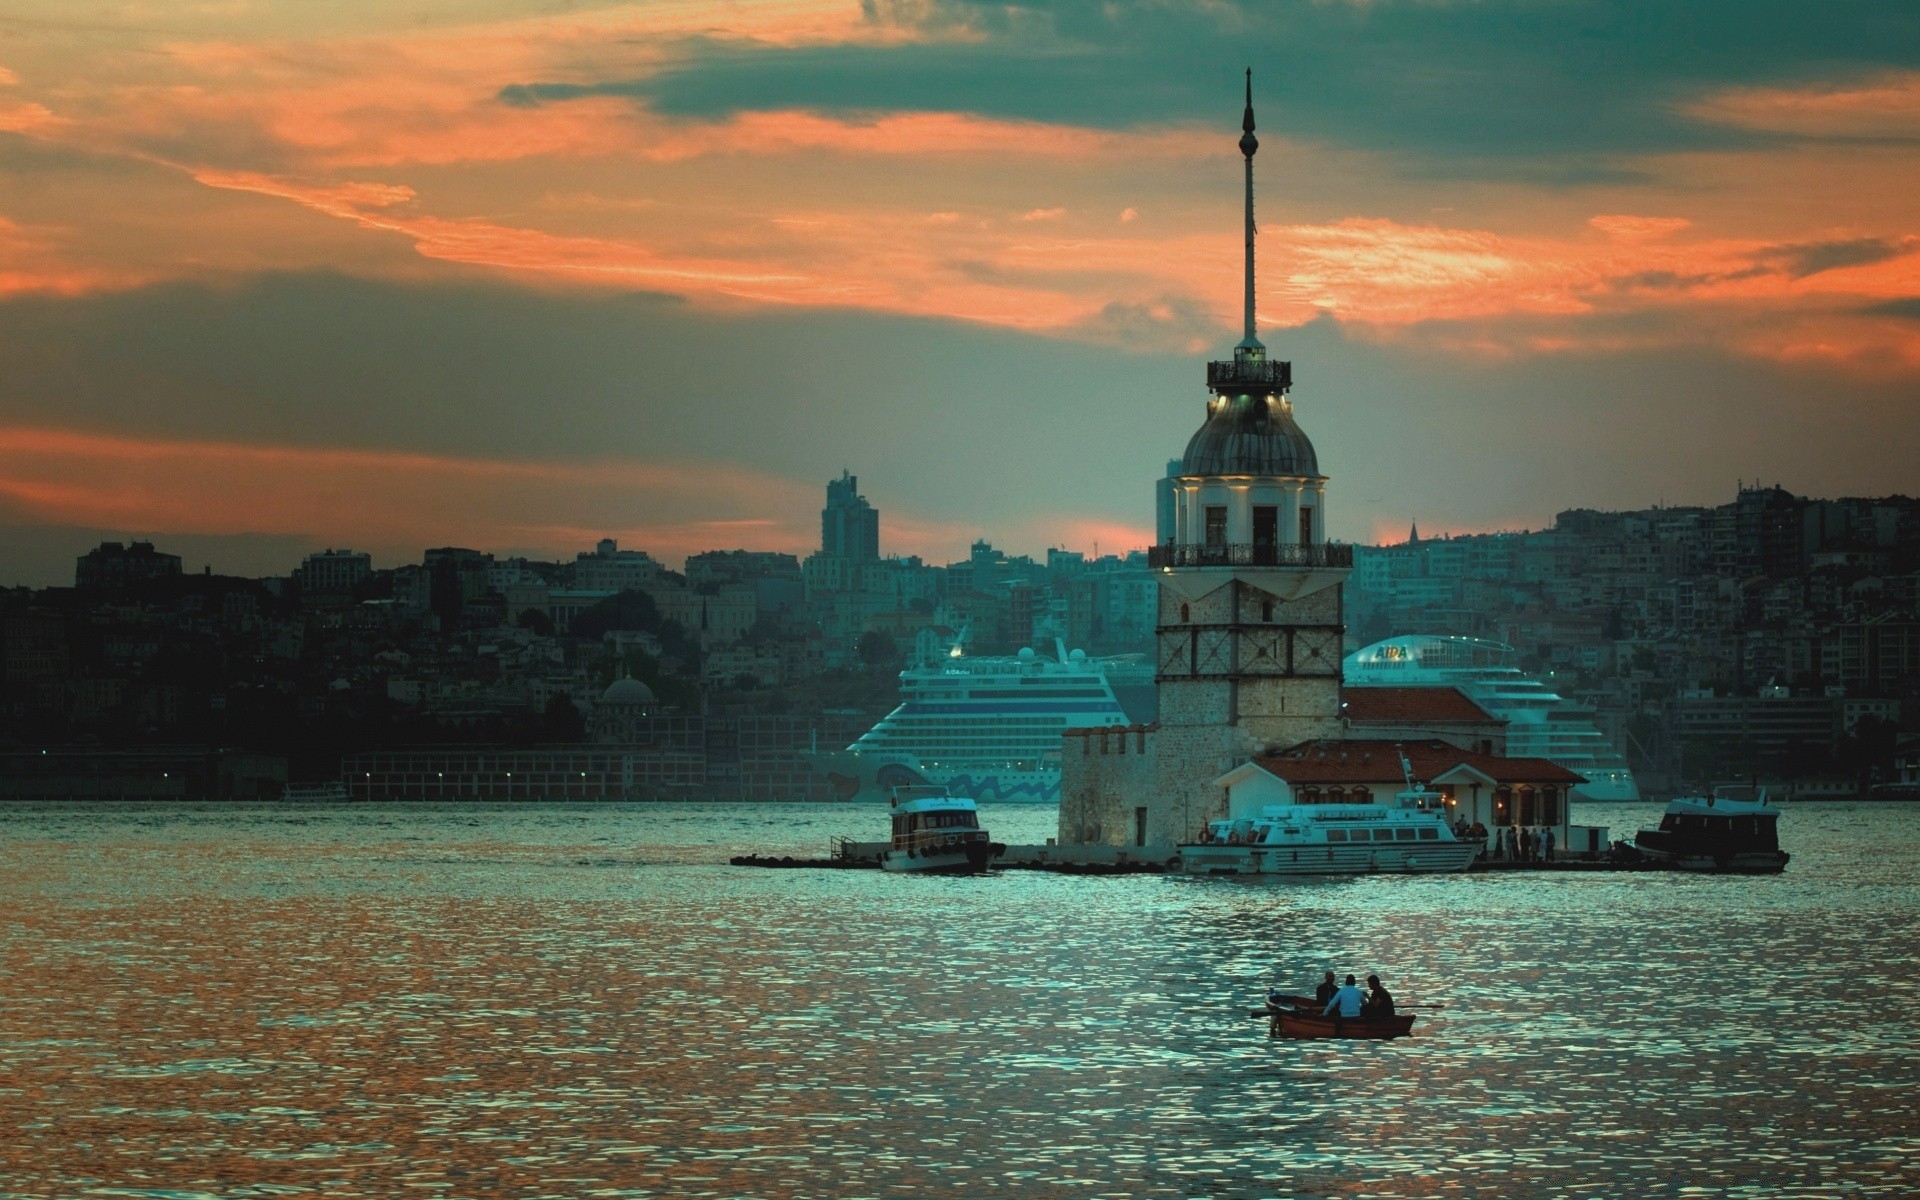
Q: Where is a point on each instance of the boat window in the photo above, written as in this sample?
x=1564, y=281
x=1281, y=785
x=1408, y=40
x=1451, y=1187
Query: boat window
x=1429, y=835
x=1383, y=835
x=1405, y=835
x=1336, y=835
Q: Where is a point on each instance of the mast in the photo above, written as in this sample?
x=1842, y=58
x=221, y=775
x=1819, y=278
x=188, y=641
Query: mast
x=1248, y=146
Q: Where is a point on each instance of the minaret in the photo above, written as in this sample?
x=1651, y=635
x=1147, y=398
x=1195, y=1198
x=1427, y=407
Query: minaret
x=1250, y=624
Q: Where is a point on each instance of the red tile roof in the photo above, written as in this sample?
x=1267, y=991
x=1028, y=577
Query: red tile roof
x=1370, y=760
x=1410, y=705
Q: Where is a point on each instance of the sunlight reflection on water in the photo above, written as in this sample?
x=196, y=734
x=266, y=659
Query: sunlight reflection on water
x=585, y=1001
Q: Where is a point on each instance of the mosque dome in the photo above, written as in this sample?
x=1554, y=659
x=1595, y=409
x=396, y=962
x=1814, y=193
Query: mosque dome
x=627, y=691
x=1250, y=435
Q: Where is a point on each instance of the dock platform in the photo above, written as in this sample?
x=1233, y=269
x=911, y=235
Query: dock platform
x=845, y=854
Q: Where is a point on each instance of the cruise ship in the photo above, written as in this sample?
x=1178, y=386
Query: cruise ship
x=1540, y=723
x=986, y=728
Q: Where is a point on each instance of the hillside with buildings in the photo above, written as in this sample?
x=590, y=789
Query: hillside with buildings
x=1774, y=634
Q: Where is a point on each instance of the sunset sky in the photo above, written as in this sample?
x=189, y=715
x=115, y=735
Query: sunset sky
x=281, y=275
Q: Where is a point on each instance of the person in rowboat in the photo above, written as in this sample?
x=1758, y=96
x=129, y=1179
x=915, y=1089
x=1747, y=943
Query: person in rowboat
x=1379, y=1003
x=1325, y=991
x=1347, y=1001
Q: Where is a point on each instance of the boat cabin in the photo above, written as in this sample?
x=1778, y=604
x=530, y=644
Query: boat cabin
x=919, y=811
x=1738, y=821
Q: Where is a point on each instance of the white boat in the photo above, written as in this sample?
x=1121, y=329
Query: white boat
x=315, y=793
x=936, y=832
x=985, y=728
x=1407, y=837
x=1734, y=831
x=1540, y=722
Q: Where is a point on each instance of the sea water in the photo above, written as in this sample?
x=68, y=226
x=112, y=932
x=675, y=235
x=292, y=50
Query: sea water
x=587, y=1001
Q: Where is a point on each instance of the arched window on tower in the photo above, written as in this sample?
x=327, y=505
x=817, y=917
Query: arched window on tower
x=1266, y=610
x=1186, y=614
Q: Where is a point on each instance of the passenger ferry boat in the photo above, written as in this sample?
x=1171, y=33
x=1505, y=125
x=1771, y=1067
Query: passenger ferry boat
x=1540, y=722
x=1410, y=836
x=985, y=728
x=1734, y=831
x=936, y=832
x=315, y=793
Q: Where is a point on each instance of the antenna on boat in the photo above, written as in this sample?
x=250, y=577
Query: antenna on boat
x=1406, y=768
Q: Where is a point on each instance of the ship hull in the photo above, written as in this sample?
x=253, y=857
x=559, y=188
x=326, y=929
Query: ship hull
x=870, y=778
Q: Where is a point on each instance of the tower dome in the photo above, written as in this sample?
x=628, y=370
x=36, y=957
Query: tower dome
x=1249, y=435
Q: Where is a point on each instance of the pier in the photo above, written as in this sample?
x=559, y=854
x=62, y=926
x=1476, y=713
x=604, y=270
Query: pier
x=845, y=854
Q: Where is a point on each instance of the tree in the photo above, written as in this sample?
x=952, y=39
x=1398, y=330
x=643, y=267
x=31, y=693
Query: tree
x=536, y=620
x=562, y=721
x=876, y=649
x=628, y=610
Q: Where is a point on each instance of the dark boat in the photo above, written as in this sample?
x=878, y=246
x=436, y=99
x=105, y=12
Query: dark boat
x=1300, y=1017
x=1734, y=831
x=1298, y=1023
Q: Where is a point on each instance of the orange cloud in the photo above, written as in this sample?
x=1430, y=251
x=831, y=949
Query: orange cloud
x=30, y=262
x=387, y=498
x=929, y=214
x=1885, y=106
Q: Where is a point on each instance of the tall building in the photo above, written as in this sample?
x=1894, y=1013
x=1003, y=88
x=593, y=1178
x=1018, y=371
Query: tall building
x=849, y=526
x=113, y=565
x=1249, y=623
x=333, y=572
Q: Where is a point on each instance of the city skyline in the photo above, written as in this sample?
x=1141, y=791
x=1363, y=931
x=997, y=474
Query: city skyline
x=519, y=277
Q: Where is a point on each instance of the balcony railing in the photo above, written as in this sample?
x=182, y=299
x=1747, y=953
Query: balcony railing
x=1256, y=375
x=1249, y=554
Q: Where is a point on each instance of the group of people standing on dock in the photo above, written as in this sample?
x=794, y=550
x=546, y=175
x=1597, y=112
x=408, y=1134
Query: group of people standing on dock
x=1510, y=844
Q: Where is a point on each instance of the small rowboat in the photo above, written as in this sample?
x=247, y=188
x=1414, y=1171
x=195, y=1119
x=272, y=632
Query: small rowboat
x=1292, y=1023
x=1304, y=1020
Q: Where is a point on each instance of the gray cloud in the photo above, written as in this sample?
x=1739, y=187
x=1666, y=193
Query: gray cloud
x=1907, y=307
x=1811, y=258
x=1566, y=84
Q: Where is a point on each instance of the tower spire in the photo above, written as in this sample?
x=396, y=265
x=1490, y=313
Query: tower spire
x=1249, y=144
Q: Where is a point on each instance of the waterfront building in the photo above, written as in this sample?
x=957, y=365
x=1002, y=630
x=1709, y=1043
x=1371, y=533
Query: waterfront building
x=1494, y=791
x=622, y=709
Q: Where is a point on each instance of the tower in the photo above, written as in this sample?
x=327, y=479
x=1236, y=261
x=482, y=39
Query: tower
x=1250, y=622
x=849, y=526
x=1249, y=629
